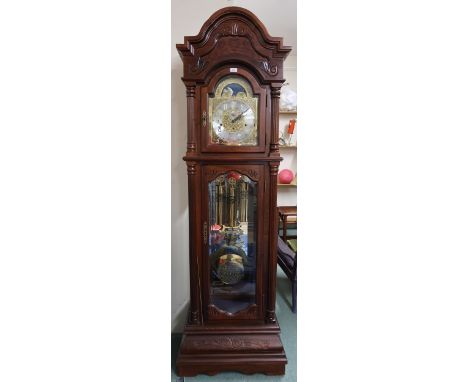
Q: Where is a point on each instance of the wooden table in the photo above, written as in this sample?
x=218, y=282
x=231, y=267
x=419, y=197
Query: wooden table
x=284, y=213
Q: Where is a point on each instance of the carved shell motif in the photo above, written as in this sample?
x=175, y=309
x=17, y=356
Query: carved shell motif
x=252, y=174
x=212, y=172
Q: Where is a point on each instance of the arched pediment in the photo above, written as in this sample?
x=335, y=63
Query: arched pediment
x=236, y=35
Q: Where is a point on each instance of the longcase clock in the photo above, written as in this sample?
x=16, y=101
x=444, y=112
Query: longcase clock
x=233, y=73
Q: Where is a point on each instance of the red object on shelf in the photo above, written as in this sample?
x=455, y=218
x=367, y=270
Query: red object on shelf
x=285, y=176
x=292, y=125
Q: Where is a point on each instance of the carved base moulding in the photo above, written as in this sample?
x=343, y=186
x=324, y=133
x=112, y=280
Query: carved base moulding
x=246, y=353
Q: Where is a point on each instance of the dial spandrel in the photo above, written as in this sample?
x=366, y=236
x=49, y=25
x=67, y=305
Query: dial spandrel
x=233, y=113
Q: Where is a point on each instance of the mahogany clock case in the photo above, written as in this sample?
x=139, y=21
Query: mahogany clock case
x=217, y=337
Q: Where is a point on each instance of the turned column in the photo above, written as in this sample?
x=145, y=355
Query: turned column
x=274, y=141
x=190, y=89
x=273, y=244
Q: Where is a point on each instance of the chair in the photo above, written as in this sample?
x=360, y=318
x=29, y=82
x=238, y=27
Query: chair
x=287, y=217
x=287, y=260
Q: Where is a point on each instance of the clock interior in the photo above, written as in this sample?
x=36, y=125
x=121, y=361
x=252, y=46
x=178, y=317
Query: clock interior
x=232, y=210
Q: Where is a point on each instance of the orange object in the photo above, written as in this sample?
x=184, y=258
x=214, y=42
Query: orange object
x=292, y=125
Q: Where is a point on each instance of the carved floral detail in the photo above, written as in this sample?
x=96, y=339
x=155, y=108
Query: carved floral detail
x=252, y=174
x=268, y=67
x=231, y=343
x=212, y=172
x=232, y=30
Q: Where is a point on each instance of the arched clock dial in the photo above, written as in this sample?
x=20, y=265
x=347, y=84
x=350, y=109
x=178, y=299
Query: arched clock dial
x=233, y=113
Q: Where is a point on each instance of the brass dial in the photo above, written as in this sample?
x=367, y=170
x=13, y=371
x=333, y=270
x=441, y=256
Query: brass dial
x=233, y=121
x=233, y=113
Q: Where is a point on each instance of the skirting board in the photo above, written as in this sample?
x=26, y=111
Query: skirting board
x=179, y=318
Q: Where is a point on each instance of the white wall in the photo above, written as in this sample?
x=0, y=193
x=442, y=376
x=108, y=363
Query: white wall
x=187, y=19
x=287, y=196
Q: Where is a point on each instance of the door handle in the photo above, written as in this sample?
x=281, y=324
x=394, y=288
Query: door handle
x=204, y=118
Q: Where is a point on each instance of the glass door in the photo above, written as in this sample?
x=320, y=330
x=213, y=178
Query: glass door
x=232, y=246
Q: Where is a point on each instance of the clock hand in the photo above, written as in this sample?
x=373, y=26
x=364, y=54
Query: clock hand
x=240, y=115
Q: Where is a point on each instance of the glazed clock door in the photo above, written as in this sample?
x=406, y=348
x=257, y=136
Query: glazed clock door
x=232, y=249
x=233, y=119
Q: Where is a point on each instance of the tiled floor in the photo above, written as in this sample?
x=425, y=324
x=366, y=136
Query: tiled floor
x=287, y=321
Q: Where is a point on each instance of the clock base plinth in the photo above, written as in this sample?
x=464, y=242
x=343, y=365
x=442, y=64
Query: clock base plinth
x=248, y=350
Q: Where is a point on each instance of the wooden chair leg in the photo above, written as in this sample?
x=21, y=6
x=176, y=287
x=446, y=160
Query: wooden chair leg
x=285, y=228
x=294, y=296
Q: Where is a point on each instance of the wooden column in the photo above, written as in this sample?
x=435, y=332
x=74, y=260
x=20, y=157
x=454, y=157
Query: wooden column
x=193, y=172
x=275, y=96
x=191, y=146
x=273, y=244
x=273, y=229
